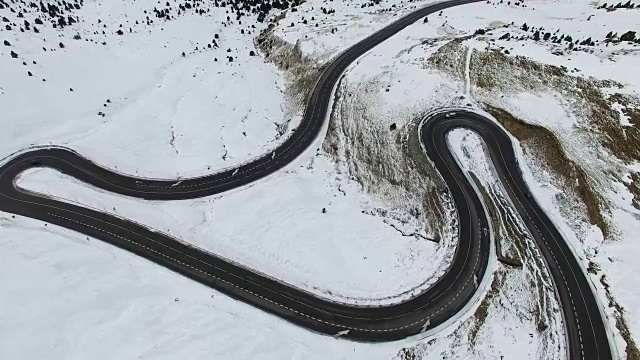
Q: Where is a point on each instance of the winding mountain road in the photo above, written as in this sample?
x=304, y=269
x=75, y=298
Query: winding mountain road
x=448, y=296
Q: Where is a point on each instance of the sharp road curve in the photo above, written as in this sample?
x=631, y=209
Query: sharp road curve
x=586, y=334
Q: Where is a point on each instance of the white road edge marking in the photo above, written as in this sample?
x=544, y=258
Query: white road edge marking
x=426, y=325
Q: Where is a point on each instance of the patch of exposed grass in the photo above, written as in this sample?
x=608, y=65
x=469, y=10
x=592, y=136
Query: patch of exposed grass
x=550, y=150
x=631, y=107
x=481, y=79
x=432, y=204
x=408, y=354
x=332, y=140
x=508, y=233
x=379, y=160
x=450, y=58
x=527, y=257
x=302, y=72
x=413, y=150
x=502, y=231
x=593, y=268
x=437, y=192
x=485, y=82
x=589, y=101
x=633, y=353
x=622, y=141
x=483, y=310
x=492, y=70
x=488, y=69
x=634, y=188
x=511, y=231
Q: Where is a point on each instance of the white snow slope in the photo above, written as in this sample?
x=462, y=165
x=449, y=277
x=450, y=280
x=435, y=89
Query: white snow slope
x=395, y=84
x=168, y=115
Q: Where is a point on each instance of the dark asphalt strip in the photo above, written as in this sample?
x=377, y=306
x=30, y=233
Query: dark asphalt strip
x=447, y=297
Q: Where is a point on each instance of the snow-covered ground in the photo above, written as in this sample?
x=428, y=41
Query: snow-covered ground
x=342, y=254
x=325, y=28
x=196, y=113
x=169, y=115
x=524, y=297
x=65, y=297
x=395, y=84
x=618, y=62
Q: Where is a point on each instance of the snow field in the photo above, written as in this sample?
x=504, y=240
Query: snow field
x=166, y=109
x=196, y=114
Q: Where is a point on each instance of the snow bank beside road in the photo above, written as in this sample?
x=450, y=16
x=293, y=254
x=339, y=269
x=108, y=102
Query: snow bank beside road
x=343, y=254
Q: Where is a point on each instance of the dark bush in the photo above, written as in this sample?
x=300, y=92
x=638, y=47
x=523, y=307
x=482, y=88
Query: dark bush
x=628, y=36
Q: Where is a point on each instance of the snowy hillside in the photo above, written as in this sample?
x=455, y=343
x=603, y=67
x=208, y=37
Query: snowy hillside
x=136, y=91
x=588, y=96
x=134, y=102
x=185, y=88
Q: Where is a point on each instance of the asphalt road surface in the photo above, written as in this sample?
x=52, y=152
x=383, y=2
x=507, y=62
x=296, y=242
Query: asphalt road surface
x=447, y=297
